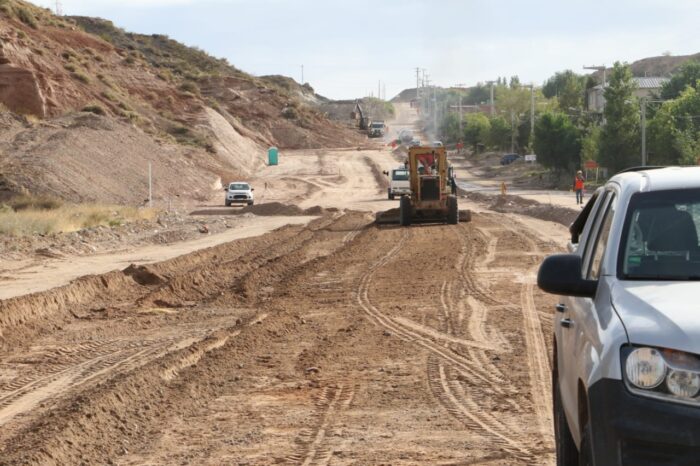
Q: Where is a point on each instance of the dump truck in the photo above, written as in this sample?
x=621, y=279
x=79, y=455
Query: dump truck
x=431, y=198
x=377, y=129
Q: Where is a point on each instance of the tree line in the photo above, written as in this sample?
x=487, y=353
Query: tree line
x=566, y=132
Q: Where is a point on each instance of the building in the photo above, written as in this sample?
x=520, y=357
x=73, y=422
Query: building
x=646, y=87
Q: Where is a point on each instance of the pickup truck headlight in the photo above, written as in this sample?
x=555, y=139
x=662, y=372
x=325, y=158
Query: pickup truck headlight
x=646, y=369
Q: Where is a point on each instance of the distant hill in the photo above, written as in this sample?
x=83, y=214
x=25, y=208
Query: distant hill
x=663, y=66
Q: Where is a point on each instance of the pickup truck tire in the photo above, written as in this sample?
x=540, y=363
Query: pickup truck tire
x=228, y=203
x=452, y=210
x=390, y=195
x=405, y=211
x=567, y=453
x=251, y=202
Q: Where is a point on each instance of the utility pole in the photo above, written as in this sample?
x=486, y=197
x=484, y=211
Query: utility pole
x=493, y=109
x=379, y=89
x=417, y=84
x=460, y=115
x=532, y=112
x=59, y=8
x=435, y=120
x=643, y=102
x=602, y=68
x=302, y=75
x=150, y=185
x=512, y=131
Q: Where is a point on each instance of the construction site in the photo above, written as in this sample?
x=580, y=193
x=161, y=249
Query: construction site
x=331, y=321
x=318, y=337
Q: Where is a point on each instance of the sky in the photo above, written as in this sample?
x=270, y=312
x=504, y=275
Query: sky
x=348, y=47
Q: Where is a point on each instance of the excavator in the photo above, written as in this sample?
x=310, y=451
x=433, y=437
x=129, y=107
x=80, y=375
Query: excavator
x=432, y=197
x=359, y=114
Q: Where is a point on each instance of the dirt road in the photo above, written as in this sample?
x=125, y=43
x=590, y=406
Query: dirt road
x=326, y=343
x=335, y=343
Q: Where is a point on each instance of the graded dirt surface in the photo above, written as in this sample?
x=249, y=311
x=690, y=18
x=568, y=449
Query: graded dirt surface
x=334, y=341
x=339, y=342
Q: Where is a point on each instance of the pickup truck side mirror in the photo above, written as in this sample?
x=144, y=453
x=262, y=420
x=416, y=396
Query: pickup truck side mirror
x=561, y=274
x=252, y=189
x=385, y=173
x=225, y=189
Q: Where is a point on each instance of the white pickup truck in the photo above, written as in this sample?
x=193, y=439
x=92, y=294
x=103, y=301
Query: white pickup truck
x=398, y=182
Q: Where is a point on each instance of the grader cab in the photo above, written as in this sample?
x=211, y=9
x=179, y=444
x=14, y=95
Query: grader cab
x=432, y=197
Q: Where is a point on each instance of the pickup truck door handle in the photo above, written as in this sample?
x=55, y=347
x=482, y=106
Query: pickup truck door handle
x=566, y=323
x=560, y=307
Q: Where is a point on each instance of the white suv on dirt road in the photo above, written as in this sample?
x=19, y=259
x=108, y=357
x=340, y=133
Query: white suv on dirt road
x=626, y=370
x=239, y=192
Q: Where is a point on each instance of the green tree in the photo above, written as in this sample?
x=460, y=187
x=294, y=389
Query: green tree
x=449, y=129
x=687, y=75
x=568, y=87
x=674, y=132
x=477, y=130
x=500, y=133
x=557, y=142
x=619, y=140
x=590, y=143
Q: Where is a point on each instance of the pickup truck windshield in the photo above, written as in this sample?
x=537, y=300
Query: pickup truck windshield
x=660, y=236
x=238, y=187
x=400, y=175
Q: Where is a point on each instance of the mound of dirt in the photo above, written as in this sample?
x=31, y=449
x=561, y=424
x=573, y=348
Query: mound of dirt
x=279, y=209
x=529, y=207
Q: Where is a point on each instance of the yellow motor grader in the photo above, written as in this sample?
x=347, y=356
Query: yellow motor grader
x=432, y=197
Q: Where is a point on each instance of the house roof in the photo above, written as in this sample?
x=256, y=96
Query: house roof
x=650, y=82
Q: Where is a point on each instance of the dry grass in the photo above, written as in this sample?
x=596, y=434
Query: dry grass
x=67, y=217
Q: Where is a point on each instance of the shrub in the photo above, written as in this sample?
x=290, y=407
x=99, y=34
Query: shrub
x=290, y=113
x=27, y=18
x=96, y=109
x=70, y=67
x=109, y=96
x=80, y=76
x=189, y=86
x=28, y=201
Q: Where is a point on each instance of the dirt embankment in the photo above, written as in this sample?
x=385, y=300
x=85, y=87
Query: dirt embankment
x=196, y=118
x=518, y=205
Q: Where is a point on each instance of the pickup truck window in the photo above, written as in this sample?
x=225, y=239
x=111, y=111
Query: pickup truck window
x=602, y=240
x=238, y=187
x=659, y=238
x=400, y=175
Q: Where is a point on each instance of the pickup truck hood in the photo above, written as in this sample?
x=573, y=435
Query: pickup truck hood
x=664, y=314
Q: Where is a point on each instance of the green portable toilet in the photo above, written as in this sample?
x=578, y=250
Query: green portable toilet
x=272, y=156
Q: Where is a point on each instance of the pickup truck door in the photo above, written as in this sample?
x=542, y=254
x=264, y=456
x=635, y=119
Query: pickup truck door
x=574, y=314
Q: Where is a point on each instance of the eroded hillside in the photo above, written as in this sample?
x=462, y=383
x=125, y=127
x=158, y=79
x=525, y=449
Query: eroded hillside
x=91, y=101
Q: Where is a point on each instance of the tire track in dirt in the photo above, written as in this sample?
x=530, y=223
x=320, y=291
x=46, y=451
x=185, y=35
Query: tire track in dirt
x=316, y=449
x=458, y=402
x=446, y=368
x=402, y=331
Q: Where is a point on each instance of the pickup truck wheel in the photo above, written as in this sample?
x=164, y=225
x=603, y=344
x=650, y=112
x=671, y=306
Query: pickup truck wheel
x=251, y=202
x=567, y=453
x=405, y=211
x=390, y=194
x=452, y=210
x=228, y=204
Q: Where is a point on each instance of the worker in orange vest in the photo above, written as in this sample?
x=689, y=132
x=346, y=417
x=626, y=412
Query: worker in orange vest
x=578, y=187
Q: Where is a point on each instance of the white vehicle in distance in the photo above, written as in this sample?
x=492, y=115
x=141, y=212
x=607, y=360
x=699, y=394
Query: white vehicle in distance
x=436, y=144
x=399, y=183
x=239, y=192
